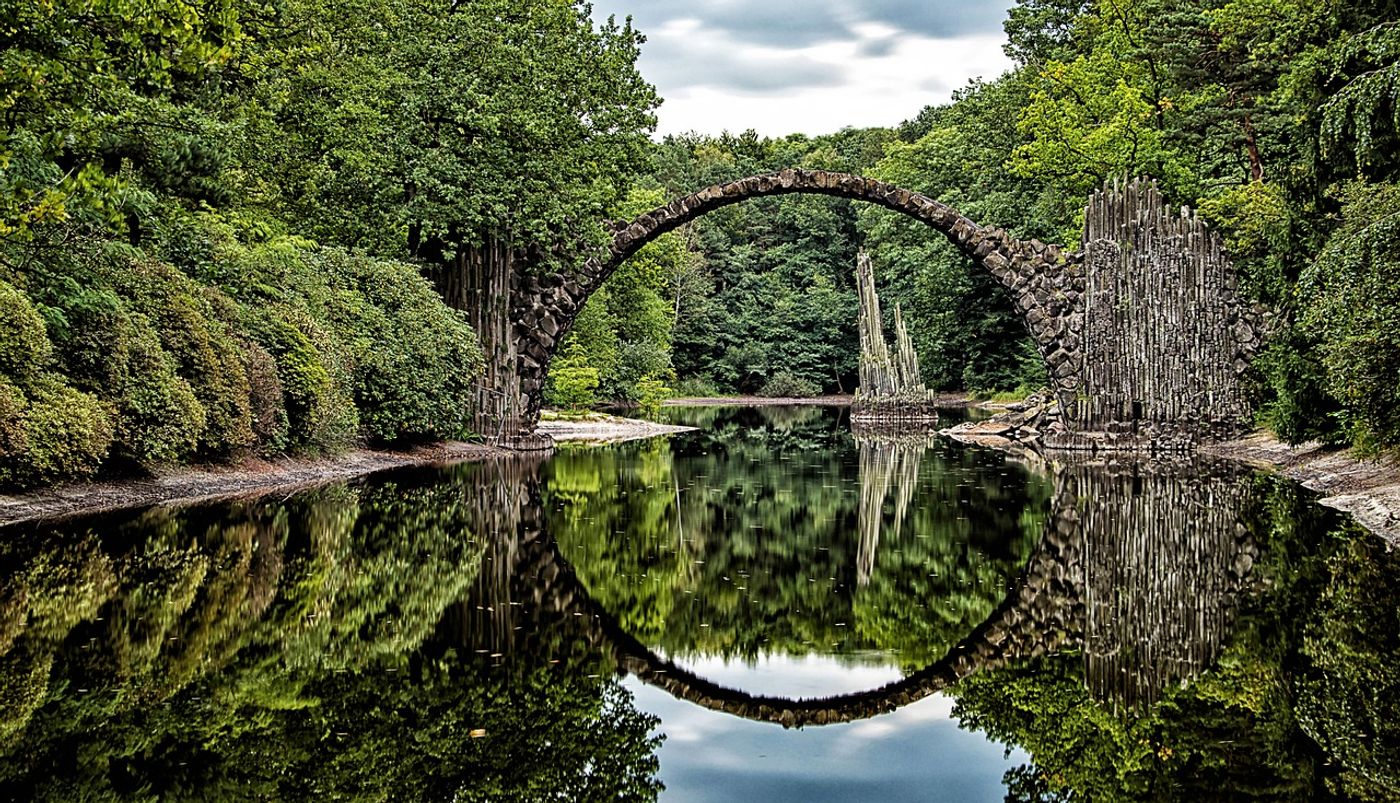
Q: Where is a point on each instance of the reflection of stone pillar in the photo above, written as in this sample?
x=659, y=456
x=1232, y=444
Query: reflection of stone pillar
x=884, y=461
x=1165, y=556
x=503, y=507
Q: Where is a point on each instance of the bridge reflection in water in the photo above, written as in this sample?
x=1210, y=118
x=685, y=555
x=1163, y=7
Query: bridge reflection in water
x=1141, y=568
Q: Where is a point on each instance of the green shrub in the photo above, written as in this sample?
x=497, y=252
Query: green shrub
x=572, y=383
x=320, y=413
x=67, y=434
x=784, y=385
x=24, y=341
x=13, y=440
x=92, y=346
x=1353, y=290
x=206, y=355
x=697, y=388
x=651, y=392
x=159, y=418
x=270, y=425
x=415, y=360
x=1297, y=405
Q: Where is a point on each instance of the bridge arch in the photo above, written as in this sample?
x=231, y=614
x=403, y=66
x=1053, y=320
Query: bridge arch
x=1037, y=616
x=1046, y=282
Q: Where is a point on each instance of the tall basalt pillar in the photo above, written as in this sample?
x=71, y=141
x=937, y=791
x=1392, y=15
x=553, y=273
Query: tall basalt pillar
x=481, y=281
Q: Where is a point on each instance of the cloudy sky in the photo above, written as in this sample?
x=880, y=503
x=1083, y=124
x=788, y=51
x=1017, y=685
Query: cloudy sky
x=810, y=66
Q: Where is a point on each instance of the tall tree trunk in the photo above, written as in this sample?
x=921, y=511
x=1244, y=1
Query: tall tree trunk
x=1251, y=142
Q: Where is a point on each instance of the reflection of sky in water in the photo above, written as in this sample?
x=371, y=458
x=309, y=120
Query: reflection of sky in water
x=915, y=753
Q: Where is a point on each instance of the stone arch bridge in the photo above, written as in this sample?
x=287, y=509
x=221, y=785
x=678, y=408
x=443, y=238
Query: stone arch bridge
x=1143, y=337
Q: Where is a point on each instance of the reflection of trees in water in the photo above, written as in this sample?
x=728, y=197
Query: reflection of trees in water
x=1139, y=569
x=273, y=650
x=745, y=545
x=1143, y=578
x=1290, y=692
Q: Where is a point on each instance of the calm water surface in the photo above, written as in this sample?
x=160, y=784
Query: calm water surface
x=771, y=608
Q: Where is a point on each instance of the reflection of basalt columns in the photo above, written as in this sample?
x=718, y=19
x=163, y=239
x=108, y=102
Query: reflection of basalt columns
x=505, y=510
x=884, y=462
x=1166, y=555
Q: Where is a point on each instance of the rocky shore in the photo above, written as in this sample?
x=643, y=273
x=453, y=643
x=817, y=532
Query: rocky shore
x=1025, y=422
x=1367, y=488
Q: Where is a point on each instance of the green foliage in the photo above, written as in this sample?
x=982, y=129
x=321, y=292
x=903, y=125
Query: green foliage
x=696, y=387
x=451, y=123
x=313, y=372
x=79, y=85
x=651, y=392
x=65, y=433
x=1353, y=296
x=159, y=418
x=786, y=385
x=415, y=362
x=24, y=347
x=199, y=340
x=1362, y=119
x=1256, y=221
x=573, y=383
x=13, y=440
x=271, y=425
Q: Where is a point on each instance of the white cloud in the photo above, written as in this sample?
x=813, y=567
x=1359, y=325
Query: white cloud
x=876, y=90
x=814, y=67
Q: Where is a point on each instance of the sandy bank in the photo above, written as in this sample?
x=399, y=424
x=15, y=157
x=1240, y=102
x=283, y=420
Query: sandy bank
x=601, y=428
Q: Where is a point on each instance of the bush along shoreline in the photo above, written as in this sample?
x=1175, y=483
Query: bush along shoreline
x=117, y=361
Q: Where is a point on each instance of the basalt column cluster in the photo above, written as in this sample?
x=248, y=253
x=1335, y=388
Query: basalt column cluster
x=1166, y=339
x=891, y=386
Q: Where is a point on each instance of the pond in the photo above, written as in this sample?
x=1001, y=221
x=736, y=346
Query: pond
x=771, y=608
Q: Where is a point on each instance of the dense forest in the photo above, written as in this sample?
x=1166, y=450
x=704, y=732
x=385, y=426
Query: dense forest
x=222, y=224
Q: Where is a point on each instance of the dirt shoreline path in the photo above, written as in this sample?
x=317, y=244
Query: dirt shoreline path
x=187, y=485
x=1367, y=489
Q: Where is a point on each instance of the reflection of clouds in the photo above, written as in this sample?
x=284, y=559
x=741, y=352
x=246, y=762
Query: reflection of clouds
x=914, y=753
x=796, y=677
